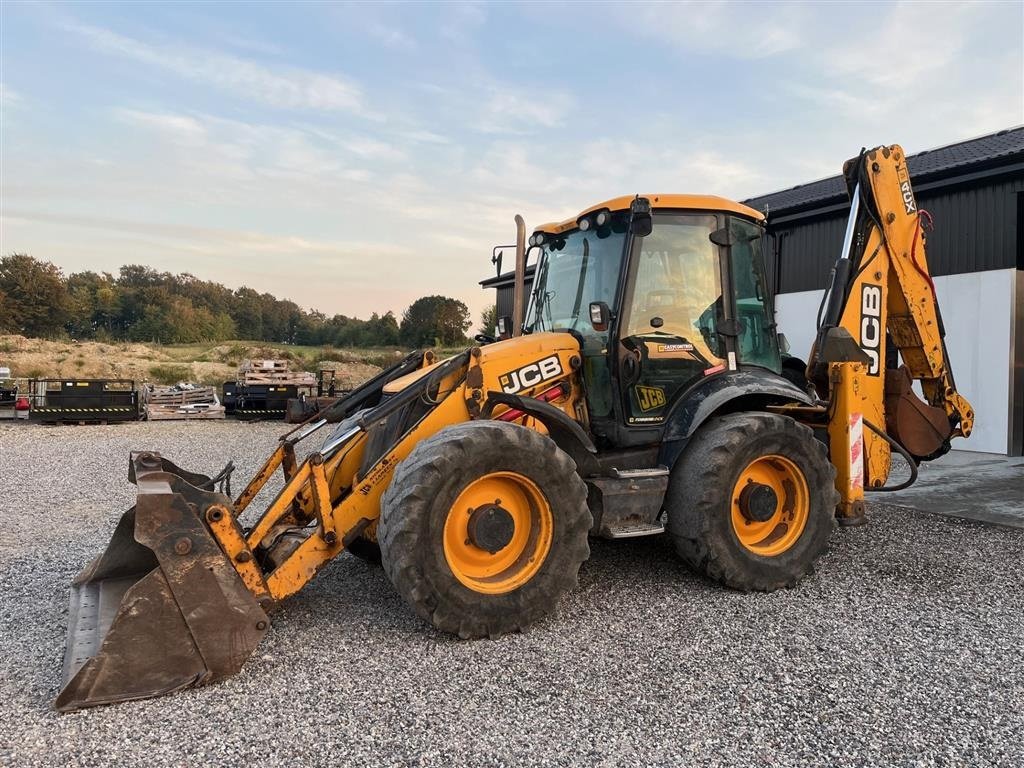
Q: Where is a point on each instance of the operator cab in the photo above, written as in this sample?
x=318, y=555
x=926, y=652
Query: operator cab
x=662, y=293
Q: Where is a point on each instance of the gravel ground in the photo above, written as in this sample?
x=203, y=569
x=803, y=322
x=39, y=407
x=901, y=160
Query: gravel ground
x=904, y=649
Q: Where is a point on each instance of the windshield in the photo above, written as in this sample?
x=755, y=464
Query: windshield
x=575, y=270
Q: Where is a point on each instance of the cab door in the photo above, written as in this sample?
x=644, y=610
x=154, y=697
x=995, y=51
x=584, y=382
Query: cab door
x=668, y=337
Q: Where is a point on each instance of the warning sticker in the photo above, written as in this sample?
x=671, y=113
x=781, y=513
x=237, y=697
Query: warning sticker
x=675, y=347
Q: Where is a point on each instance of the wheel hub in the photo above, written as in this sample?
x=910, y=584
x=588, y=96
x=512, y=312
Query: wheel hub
x=758, y=502
x=491, y=528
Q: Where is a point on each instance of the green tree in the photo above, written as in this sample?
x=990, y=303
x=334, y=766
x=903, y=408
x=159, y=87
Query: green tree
x=35, y=296
x=248, y=313
x=7, y=324
x=489, y=319
x=95, y=305
x=382, y=330
x=435, y=320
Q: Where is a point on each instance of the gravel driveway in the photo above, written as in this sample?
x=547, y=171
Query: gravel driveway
x=904, y=648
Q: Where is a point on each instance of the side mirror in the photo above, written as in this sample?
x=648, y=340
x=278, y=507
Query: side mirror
x=504, y=327
x=722, y=237
x=640, y=221
x=600, y=316
x=783, y=343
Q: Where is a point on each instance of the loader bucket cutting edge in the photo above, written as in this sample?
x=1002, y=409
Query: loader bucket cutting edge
x=162, y=608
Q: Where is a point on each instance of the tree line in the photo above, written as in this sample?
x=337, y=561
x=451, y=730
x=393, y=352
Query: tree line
x=146, y=305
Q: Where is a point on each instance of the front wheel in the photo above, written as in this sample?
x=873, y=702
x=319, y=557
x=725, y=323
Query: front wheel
x=484, y=527
x=751, y=502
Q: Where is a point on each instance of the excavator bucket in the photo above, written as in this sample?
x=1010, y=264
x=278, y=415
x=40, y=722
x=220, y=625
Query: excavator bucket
x=162, y=608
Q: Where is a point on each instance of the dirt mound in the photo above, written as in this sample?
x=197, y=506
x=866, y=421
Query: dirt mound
x=38, y=358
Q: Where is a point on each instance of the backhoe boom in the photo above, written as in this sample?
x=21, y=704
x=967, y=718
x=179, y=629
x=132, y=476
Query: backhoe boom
x=882, y=297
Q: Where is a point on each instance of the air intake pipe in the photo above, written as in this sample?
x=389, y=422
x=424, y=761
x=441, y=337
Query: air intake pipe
x=519, y=286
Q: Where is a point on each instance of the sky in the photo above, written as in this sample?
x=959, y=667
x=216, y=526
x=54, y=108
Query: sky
x=354, y=157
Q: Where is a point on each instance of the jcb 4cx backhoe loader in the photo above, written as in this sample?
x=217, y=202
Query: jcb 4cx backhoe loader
x=643, y=389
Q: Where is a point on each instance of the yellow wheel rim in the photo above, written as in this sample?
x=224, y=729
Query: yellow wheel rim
x=770, y=505
x=501, y=511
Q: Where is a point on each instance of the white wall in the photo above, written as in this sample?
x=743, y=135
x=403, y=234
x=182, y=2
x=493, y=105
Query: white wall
x=977, y=309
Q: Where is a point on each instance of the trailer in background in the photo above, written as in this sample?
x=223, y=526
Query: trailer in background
x=82, y=401
x=263, y=401
x=263, y=389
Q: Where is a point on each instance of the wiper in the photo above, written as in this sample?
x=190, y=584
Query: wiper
x=539, y=294
x=583, y=279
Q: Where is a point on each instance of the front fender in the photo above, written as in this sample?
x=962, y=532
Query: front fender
x=756, y=386
x=567, y=434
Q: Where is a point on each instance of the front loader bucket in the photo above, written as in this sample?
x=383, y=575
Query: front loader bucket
x=162, y=608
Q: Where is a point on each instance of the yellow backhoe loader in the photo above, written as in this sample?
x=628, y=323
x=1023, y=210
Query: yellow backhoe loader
x=642, y=389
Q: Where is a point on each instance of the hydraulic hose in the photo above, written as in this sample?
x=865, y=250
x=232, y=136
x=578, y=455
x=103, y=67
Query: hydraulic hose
x=900, y=450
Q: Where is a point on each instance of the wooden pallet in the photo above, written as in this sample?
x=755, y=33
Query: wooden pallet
x=273, y=372
x=170, y=403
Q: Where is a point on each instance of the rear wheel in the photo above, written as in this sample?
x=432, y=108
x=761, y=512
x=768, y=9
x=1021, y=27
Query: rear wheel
x=484, y=527
x=751, y=502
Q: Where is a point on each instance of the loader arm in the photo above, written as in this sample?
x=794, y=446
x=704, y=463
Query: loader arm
x=184, y=579
x=882, y=309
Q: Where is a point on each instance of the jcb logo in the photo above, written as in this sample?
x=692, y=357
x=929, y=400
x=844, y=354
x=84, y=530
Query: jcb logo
x=650, y=398
x=905, y=190
x=871, y=324
x=530, y=375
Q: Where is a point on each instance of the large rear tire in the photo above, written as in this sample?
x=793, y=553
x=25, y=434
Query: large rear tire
x=751, y=502
x=484, y=528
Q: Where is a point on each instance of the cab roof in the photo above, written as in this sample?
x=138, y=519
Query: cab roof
x=660, y=201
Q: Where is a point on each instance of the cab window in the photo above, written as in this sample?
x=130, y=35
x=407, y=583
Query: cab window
x=673, y=314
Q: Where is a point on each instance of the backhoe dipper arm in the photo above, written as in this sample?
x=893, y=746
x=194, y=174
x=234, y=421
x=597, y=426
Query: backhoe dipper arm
x=882, y=298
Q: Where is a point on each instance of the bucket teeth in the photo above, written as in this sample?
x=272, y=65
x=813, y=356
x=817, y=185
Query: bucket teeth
x=162, y=608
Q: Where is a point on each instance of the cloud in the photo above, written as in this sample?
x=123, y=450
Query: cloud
x=205, y=237
x=423, y=137
x=391, y=36
x=885, y=58
x=221, y=149
x=179, y=129
x=251, y=44
x=374, y=149
x=960, y=77
x=736, y=30
x=511, y=110
x=462, y=19
x=283, y=88
x=9, y=97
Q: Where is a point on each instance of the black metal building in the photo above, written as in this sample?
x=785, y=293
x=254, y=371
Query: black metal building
x=504, y=285
x=974, y=190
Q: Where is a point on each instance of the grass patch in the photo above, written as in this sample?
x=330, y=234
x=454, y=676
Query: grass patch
x=170, y=374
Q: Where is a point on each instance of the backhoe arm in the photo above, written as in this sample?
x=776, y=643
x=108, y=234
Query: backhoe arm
x=882, y=309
